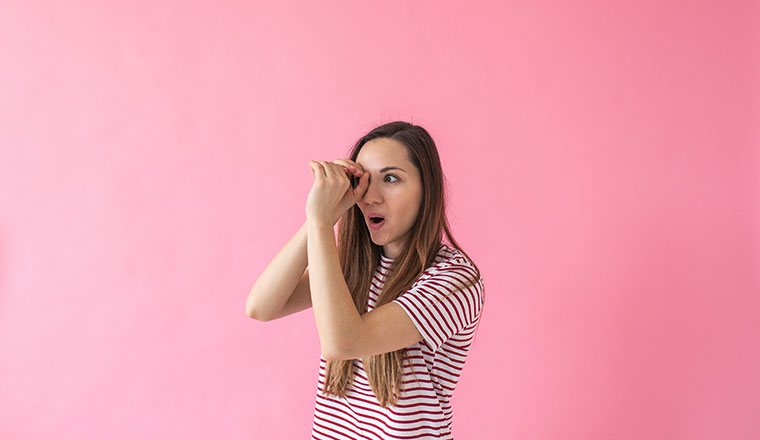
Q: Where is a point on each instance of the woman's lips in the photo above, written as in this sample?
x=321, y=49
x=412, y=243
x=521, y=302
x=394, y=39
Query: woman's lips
x=376, y=226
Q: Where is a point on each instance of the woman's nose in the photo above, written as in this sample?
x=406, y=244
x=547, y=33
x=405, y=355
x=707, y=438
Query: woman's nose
x=372, y=193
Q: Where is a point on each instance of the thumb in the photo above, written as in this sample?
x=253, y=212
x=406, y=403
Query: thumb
x=362, y=187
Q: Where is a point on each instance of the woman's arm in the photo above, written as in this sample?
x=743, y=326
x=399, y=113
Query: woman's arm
x=334, y=310
x=275, y=286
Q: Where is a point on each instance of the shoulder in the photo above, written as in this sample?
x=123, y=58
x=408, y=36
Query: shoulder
x=452, y=270
x=451, y=261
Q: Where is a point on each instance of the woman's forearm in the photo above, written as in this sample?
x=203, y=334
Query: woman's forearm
x=334, y=310
x=274, y=286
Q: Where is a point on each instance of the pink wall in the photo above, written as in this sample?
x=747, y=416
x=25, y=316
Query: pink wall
x=603, y=159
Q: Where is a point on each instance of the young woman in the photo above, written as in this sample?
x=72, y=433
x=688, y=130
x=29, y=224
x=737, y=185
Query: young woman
x=396, y=309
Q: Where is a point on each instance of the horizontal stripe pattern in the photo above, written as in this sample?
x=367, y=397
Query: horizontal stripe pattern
x=446, y=312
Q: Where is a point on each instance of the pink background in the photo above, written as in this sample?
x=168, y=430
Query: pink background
x=603, y=161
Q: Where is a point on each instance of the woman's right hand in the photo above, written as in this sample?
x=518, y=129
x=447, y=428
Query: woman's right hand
x=353, y=195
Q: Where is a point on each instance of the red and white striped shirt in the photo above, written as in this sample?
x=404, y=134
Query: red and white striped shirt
x=433, y=365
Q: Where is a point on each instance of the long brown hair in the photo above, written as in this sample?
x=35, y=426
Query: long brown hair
x=359, y=257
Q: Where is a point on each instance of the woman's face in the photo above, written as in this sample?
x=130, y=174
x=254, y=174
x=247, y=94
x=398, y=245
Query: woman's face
x=394, y=192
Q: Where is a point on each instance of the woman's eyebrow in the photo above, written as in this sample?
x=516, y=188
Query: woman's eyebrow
x=391, y=168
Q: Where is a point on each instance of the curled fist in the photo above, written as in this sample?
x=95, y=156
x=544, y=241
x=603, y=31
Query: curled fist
x=332, y=193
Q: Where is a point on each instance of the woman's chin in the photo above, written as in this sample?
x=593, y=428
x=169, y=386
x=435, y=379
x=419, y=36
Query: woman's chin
x=377, y=240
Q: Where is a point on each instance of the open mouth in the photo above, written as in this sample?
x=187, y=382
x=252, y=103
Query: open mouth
x=376, y=222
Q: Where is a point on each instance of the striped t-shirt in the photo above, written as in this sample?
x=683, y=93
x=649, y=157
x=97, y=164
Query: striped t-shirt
x=447, y=327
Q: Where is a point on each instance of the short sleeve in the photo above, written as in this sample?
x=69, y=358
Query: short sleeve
x=444, y=303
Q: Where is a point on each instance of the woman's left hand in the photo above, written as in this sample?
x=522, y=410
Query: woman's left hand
x=332, y=195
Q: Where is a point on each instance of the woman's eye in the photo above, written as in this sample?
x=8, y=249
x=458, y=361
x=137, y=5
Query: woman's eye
x=391, y=175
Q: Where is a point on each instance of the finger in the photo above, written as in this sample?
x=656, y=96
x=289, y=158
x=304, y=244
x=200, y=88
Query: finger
x=333, y=170
x=317, y=168
x=342, y=165
x=346, y=168
x=362, y=187
x=343, y=162
x=354, y=164
x=328, y=172
x=350, y=165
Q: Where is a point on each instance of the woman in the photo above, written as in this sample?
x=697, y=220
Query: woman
x=396, y=309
